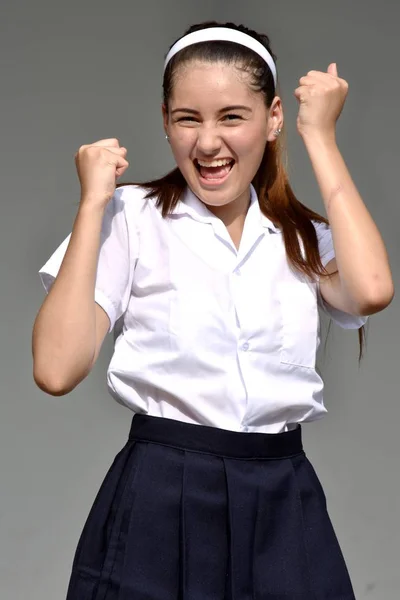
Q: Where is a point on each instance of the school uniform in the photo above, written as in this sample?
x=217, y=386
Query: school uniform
x=212, y=497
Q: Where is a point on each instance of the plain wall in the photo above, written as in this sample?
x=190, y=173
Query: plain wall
x=77, y=72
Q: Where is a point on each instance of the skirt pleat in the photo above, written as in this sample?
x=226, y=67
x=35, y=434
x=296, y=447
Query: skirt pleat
x=151, y=552
x=96, y=541
x=241, y=508
x=325, y=558
x=204, y=548
x=280, y=554
x=188, y=512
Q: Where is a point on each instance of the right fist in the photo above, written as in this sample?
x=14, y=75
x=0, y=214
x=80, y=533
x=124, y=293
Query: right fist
x=99, y=165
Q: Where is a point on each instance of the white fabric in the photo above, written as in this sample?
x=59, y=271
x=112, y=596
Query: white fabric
x=226, y=35
x=205, y=333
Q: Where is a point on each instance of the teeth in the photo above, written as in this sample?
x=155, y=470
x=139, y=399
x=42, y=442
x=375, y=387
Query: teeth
x=215, y=163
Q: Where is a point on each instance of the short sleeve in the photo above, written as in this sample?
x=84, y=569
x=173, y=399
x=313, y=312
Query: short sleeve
x=327, y=253
x=119, y=248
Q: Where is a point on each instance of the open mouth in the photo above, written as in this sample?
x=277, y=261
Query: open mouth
x=213, y=175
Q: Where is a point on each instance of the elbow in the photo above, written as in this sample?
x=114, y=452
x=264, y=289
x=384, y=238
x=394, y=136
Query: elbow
x=377, y=300
x=51, y=387
x=53, y=384
x=58, y=376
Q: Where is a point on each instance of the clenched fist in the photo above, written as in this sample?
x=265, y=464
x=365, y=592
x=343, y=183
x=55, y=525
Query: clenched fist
x=99, y=165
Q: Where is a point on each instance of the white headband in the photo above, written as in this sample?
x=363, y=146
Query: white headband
x=226, y=35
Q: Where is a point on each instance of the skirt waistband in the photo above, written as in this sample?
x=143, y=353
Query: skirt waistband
x=212, y=440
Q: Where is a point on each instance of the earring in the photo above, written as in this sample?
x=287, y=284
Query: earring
x=277, y=132
x=167, y=138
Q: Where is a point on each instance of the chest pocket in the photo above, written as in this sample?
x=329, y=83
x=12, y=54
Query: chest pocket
x=299, y=322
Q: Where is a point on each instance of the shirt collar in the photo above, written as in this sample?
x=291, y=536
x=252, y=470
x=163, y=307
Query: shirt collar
x=190, y=205
x=255, y=208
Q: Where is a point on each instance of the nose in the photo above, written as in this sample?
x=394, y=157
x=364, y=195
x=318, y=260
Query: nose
x=208, y=140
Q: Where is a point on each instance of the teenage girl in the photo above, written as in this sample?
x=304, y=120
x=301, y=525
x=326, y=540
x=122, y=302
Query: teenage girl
x=211, y=278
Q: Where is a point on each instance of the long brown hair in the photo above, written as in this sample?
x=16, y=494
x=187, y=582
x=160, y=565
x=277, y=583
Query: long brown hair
x=275, y=195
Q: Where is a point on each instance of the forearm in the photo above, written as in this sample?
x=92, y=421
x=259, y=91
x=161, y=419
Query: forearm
x=360, y=252
x=64, y=333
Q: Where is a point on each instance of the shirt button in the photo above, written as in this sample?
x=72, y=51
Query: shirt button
x=245, y=347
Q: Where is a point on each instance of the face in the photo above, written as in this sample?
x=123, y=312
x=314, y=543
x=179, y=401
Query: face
x=214, y=115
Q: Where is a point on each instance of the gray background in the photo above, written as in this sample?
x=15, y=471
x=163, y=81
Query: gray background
x=77, y=72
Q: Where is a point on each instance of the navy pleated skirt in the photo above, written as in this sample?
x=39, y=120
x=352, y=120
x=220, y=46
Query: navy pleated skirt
x=189, y=512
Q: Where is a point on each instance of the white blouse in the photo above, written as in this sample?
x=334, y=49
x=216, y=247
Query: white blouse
x=206, y=333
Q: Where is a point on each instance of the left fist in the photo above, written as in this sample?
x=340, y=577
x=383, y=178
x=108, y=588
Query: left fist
x=321, y=99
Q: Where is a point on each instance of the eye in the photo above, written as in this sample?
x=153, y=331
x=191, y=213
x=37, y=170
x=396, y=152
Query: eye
x=232, y=117
x=186, y=119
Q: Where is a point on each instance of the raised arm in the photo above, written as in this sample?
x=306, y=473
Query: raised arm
x=70, y=327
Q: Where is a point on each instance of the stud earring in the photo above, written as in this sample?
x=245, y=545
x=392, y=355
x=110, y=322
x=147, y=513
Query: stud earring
x=167, y=138
x=277, y=132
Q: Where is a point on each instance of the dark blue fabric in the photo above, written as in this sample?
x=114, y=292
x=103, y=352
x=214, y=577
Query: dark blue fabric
x=188, y=512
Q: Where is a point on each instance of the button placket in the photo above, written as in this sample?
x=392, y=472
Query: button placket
x=238, y=286
x=237, y=289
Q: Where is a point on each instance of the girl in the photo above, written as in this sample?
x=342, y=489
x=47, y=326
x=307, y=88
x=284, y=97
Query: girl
x=211, y=279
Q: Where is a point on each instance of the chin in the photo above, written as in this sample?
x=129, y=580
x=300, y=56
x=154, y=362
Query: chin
x=213, y=197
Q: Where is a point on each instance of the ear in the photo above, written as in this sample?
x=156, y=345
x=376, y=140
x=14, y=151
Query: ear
x=165, y=117
x=275, y=118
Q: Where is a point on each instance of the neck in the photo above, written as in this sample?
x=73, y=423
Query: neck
x=233, y=215
x=233, y=211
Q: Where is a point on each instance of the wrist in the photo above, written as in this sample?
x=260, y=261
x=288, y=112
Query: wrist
x=92, y=205
x=319, y=138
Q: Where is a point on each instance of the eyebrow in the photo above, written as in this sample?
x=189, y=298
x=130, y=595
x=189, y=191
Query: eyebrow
x=226, y=109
